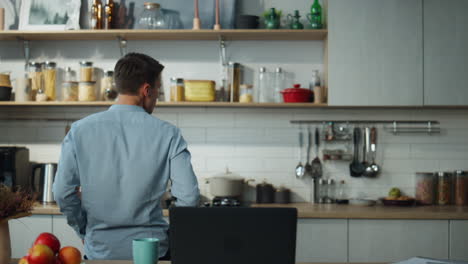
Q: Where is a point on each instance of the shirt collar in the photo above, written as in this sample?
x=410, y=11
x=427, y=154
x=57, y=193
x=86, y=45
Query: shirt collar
x=128, y=108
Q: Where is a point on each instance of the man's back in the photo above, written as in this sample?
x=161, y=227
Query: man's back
x=123, y=158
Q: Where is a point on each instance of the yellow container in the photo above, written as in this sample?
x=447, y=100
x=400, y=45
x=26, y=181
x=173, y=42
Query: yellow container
x=199, y=91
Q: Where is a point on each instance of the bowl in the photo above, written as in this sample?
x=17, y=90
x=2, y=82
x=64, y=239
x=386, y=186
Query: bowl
x=5, y=93
x=296, y=95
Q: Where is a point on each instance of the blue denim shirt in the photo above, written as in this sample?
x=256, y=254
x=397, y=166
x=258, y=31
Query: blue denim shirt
x=123, y=159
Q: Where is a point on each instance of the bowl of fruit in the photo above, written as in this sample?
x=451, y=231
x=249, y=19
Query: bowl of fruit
x=396, y=198
x=46, y=250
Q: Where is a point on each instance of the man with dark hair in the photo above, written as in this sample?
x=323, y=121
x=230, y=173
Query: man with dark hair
x=122, y=159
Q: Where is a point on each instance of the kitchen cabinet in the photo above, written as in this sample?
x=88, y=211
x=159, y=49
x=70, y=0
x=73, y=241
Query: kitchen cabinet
x=396, y=240
x=65, y=233
x=445, y=53
x=24, y=231
x=375, y=53
x=459, y=240
x=322, y=240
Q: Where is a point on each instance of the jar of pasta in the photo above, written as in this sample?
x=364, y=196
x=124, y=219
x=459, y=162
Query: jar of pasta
x=35, y=76
x=87, y=91
x=70, y=91
x=50, y=76
x=425, y=188
x=444, y=189
x=86, y=71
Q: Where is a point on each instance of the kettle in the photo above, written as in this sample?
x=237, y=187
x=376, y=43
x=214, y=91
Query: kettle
x=43, y=183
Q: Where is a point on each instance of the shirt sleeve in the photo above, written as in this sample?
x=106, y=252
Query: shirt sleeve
x=66, y=183
x=184, y=182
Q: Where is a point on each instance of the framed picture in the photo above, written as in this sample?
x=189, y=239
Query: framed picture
x=50, y=14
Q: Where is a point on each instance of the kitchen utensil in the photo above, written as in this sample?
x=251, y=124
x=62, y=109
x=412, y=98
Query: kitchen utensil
x=356, y=168
x=196, y=19
x=300, y=170
x=387, y=202
x=227, y=184
x=316, y=164
x=43, y=183
x=375, y=168
x=362, y=202
x=308, y=166
x=367, y=167
x=296, y=94
x=265, y=193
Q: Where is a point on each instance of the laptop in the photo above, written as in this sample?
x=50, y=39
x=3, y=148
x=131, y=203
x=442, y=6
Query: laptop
x=232, y=235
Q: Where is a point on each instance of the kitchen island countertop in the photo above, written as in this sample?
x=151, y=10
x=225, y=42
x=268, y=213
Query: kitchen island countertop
x=333, y=211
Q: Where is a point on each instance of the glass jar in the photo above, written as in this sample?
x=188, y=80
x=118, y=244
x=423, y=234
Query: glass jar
x=151, y=17
x=35, y=75
x=425, y=188
x=177, y=90
x=444, y=189
x=86, y=71
x=50, y=77
x=264, y=91
x=69, y=75
x=108, y=91
x=461, y=188
x=341, y=193
x=70, y=91
x=41, y=96
x=322, y=190
x=87, y=91
x=235, y=78
x=331, y=189
x=246, y=93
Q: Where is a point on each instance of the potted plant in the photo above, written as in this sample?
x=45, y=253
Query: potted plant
x=13, y=205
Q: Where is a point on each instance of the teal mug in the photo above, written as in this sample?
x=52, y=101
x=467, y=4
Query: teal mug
x=145, y=250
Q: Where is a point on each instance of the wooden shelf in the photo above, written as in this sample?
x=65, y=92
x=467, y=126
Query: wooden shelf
x=166, y=104
x=180, y=34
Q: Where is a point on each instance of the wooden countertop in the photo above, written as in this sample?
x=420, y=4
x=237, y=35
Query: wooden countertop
x=330, y=211
x=15, y=261
x=327, y=211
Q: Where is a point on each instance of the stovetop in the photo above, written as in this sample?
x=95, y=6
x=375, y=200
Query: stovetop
x=225, y=202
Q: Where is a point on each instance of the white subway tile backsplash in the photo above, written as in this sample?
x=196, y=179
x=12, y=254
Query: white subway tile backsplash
x=261, y=144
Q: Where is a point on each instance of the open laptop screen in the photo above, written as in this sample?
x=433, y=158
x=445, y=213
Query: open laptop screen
x=229, y=235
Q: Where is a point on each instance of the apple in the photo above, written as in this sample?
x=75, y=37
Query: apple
x=49, y=240
x=69, y=255
x=40, y=254
x=57, y=261
x=23, y=260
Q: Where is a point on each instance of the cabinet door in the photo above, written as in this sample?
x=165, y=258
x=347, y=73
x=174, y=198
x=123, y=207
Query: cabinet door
x=459, y=240
x=375, y=52
x=396, y=240
x=65, y=233
x=321, y=240
x=25, y=230
x=445, y=52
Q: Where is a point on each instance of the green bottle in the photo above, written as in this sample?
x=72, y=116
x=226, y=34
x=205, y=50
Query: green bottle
x=315, y=16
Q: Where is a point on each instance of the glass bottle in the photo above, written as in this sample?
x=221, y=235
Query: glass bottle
x=96, y=14
x=151, y=17
x=278, y=85
x=331, y=191
x=315, y=16
x=341, y=195
x=108, y=14
x=294, y=21
x=235, y=79
x=264, y=94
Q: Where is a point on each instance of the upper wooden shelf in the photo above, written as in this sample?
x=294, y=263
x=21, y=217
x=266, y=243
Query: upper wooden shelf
x=180, y=34
x=169, y=104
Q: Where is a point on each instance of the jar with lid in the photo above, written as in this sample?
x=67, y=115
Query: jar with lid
x=35, y=75
x=331, y=191
x=246, y=93
x=177, y=90
x=444, y=193
x=70, y=91
x=50, y=78
x=151, y=17
x=235, y=78
x=461, y=187
x=322, y=190
x=86, y=71
x=87, y=91
x=341, y=193
x=69, y=75
x=426, y=185
x=41, y=96
x=108, y=91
